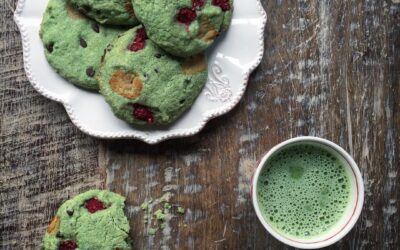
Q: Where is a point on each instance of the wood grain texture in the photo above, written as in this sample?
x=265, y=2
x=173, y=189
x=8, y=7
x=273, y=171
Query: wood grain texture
x=330, y=69
x=44, y=159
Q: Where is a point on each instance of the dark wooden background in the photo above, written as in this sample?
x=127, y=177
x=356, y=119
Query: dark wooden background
x=330, y=69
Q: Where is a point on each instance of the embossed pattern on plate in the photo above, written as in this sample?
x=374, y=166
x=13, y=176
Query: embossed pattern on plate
x=231, y=60
x=218, y=87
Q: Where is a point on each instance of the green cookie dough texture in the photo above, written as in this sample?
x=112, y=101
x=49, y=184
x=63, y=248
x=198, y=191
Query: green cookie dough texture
x=160, y=18
x=119, y=12
x=74, y=44
x=148, y=81
x=74, y=224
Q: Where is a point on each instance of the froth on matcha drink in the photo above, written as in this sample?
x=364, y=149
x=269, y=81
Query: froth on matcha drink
x=303, y=191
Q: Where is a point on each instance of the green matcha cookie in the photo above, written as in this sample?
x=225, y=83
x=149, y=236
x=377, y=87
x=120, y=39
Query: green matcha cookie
x=146, y=86
x=92, y=220
x=184, y=27
x=118, y=12
x=74, y=44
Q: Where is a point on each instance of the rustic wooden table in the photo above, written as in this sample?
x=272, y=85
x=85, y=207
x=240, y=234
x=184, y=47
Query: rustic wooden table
x=330, y=69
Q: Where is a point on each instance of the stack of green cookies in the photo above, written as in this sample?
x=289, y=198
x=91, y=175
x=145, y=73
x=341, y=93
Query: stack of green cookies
x=145, y=56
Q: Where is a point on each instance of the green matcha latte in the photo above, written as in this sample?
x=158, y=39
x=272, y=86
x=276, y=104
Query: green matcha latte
x=303, y=191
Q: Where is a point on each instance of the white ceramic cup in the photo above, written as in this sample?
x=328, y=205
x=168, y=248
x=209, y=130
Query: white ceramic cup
x=352, y=212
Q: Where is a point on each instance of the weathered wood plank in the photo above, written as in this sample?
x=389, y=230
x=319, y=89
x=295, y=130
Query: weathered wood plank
x=44, y=159
x=331, y=69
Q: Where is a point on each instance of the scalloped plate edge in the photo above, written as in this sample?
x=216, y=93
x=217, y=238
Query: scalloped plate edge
x=177, y=133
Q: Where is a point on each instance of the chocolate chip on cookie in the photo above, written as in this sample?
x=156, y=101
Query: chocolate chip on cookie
x=96, y=27
x=90, y=72
x=50, y=47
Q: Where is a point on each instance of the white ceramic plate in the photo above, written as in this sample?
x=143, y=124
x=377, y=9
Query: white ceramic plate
x=231, y=61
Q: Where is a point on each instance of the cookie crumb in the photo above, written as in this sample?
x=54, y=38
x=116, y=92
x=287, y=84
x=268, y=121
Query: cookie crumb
x=144, y=206
x=159, y=215
x=181, y=210
x=152, y=231
x=167, y=206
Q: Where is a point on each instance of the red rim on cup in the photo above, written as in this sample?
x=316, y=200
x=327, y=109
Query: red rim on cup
x=352, y=213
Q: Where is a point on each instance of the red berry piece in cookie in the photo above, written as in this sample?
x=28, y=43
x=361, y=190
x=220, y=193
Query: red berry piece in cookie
x=139, y=41
x=186, y=16
x=67, y=245
x=143, y=113
x=93, y=205
x=196, y=4
x=223, y=4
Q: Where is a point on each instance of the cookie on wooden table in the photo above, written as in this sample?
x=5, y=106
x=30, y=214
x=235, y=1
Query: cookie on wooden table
x=73, y=43
x=146, y=86
x=119, y=12
x=92, y=220
x=184, y=27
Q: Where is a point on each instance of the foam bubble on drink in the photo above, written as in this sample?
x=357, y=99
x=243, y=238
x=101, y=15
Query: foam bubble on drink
x=303, y=191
